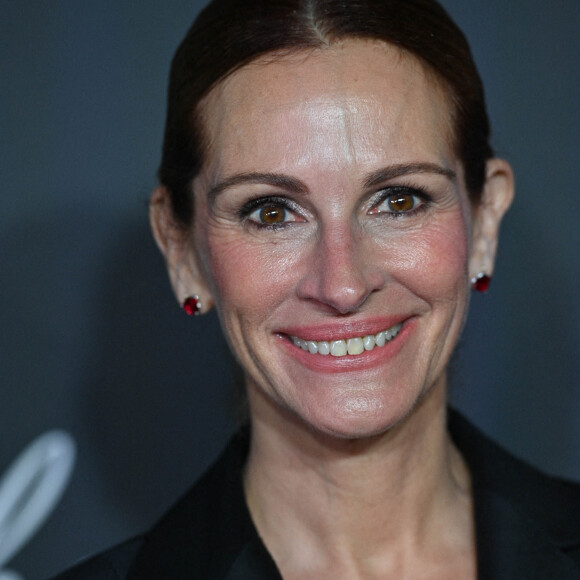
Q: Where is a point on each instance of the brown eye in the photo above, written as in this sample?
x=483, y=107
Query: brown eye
x=272, y=215
x=401, y=202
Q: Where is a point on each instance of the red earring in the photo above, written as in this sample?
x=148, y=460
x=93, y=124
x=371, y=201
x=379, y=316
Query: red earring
x=192, y=305
x=481, y=282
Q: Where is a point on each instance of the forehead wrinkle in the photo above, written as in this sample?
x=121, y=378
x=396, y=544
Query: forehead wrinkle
x=335, y=113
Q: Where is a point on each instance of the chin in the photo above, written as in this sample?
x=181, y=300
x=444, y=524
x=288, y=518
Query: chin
x=357, y=416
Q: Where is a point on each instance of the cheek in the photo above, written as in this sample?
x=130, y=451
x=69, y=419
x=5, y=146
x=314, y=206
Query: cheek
x=434, y=259
x=250, y=277
x=245, y=274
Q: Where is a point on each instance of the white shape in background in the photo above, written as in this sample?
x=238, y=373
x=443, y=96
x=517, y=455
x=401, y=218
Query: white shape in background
x=9, y=575
x=29, y=491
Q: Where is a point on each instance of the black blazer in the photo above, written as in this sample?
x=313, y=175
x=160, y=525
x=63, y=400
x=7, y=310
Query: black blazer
x=527, y=524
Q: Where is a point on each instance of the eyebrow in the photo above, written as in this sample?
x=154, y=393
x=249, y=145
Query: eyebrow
x=387, y=173
x=294, y=185
x=291, y=184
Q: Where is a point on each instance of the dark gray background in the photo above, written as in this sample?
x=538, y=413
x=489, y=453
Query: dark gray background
x=91, y=339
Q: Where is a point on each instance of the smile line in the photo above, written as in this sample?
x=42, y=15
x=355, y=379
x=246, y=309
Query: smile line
x=351, y=346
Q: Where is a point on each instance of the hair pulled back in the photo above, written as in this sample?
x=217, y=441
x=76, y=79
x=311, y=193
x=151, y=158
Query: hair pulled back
x=229, y=34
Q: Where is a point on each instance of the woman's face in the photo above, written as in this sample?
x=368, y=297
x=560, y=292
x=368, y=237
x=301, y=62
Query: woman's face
x=331, y=215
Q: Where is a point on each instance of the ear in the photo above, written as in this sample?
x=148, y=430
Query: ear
x=496, y=198
x=175, y=242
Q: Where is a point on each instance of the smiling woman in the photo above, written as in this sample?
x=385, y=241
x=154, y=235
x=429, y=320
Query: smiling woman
x=328, y=186
x=362, y=125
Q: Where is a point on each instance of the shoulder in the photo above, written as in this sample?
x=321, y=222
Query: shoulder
x=113, y=564
x=554, y=501
x=201, y=536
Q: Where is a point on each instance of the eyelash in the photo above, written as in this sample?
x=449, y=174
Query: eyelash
x=281, y=202
x=263, y=202
x=415, y=192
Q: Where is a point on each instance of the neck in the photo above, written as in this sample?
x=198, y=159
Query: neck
x=351, y=500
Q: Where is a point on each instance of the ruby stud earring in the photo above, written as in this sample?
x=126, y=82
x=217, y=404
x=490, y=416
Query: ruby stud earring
x=192, y=305
x=481, y=282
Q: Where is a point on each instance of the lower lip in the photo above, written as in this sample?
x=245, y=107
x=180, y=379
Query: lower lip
x=341, y=364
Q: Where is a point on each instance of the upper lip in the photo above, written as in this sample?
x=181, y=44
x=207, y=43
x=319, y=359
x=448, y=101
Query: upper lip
x=342, y=330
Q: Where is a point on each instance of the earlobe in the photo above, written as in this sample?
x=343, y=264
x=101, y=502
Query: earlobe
x=174, y=241
x=496, y=198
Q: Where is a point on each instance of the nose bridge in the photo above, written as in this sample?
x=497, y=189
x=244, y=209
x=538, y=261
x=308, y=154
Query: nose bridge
x=342, y=276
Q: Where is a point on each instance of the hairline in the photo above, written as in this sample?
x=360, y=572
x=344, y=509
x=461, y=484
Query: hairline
x=198, y=118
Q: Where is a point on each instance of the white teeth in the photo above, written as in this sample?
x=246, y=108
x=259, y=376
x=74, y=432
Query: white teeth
x=355, y=345
x=380, y=338
x=312, y=347
x=338, y=348
x=352, y=346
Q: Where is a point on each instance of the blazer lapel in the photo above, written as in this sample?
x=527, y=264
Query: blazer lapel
x=209, y=533
x=254, y=563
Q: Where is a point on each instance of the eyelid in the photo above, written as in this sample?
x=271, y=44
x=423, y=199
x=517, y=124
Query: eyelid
x=406, y=189
x=265, y=200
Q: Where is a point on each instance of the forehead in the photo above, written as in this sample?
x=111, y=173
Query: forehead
x=352, y=102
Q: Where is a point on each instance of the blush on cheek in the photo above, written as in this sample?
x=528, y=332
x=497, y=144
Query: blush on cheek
x=248, y=275
x=435, y=257
x=449, y=250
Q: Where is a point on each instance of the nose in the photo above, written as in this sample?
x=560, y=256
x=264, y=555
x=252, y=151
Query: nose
x=341, y=273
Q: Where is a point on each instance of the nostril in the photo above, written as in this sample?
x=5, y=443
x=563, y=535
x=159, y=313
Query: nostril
x=341, y=289
x=342, y=274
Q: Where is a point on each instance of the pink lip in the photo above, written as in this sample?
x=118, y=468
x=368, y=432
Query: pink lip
x=349, y=363
x=344, y=330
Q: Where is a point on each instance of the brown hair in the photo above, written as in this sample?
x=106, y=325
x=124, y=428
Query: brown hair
x=229, y=34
